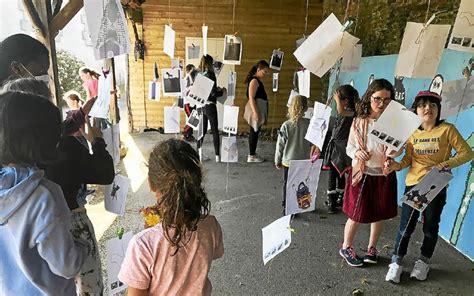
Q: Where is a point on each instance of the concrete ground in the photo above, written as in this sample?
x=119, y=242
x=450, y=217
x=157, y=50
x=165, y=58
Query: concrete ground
x=247, y=197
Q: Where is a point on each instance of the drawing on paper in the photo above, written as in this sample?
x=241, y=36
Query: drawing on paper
x=168, y=42
x=231, y=118
x=171, y=82
x=171, y=120
x=231, y=81
x=276, y=237
x=229, y=149
x=276, y=60
x=193, y=119
x=463, y=29
x=116, y=249
x=232, y=50
x=193, y=51
x=436, y=84
x=200, y=90
x=275, y=82
x=116, y=195
x=351, y=58
x=319, y=124
x=458, y=95
x=400, y=92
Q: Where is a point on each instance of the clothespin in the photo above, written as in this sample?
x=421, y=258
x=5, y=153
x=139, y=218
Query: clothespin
x=291, y=229
x=315, y=157
x=235, y=34
x=347, y=25
x=119, y=232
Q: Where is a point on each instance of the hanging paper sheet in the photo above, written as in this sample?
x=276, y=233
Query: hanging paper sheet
x=154, y=91
x=204, y=40
x=231, y=82
x=420, y=196
x=293, y=93
x=276, y=60
x=304, y=82
x=458, y=95
x=232, y=50
x=462, y=36
x=193, y=119
x=116, y=249
x=168, y=42
x=192, y=52
x=319, y=124
x=302, y=186
x=100, y=109
x=275, y=82
x=231, y=119
x=200, y=90
x=111, y=137
x=325, y=46
x=116, y=195
x=171, y=82
x=229, y=150
x=394, y=126
x=351, y=59
x=172, y=120
x=421, y=49
x=276, y=237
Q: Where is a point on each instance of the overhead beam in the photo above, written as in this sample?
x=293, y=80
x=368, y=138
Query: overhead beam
x=65, y=16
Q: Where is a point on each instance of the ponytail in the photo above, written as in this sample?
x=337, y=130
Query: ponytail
x=262, y=64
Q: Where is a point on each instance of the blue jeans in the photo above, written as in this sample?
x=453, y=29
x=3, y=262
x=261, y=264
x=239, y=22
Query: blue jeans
x=408, y=220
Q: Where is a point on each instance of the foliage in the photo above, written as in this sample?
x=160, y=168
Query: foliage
x=68, y=71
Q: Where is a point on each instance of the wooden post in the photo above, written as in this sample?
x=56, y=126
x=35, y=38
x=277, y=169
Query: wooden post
x=113, y=106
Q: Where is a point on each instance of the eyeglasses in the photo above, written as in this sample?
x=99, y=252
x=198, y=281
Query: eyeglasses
x=379, y=100
x=424, y=105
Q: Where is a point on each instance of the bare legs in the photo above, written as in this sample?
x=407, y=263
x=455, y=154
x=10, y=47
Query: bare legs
x=351, y=228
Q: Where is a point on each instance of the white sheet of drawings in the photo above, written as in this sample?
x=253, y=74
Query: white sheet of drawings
x=275, y=82
x=351, y=59
x=193, y=119
x=324, y=46
x=229, y=149
x=171, y=82
x=276, y=237
x=394, y=126
x=154, y=91
x=421, y=50
x=200, y=132
x=172, y=120
x=304, y=82
x=116, y=195
x=293, y=93
x=458, y=95
x=420, y=196
x=168, y=42
x=200, y=90
x=302, y=186
x=100, y=108
x=462, y=35
x=204, y=40
x=232, y=50
x=231, y=119
x=116, y=250
x=231, y=83
x=319, y=124
x=111, y=137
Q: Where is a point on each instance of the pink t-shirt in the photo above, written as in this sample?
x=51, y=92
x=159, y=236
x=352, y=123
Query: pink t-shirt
x=148, y=263
x=92, y=86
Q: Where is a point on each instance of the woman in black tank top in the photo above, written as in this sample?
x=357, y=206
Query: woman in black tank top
x=256, y=111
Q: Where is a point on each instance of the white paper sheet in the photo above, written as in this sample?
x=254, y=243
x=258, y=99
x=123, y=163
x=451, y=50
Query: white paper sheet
x=200, y=90
x=275, y=82
x=421, y=50
x=351, y=59
x=458, y=95
x=319, y=124
x=232, y=79
x=394, y=126
x=116, y=250
x=462, y=36
x=277, y=59
x=300, y=41
x=293, y=93
x=172, y=120
x=231, y=119
x=154, y=91
x=100, y=109
x=304, y=83
x=302, y=186
x=168, y=42
x=229, y=150
x=115, y=195
x=276, y=237
x=204, y=40
x=232, y=50
x=193, y=52
x=171, y=82
x=193, y=119
x=420, y=196
x=324, y=46
x=200, y=133
x=111, y=137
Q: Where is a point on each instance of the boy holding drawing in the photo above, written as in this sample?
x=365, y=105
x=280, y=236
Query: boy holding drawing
x=429, y=146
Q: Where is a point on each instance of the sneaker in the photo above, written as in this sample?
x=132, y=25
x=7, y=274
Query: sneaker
x=371, y=256
x=340, y=200
x=351, y=257
x=331, y=203
x=394, y=272
x=255, y=158
x=218, y=158
x=420, y=270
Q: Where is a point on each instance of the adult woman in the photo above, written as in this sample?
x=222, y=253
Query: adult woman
x=256, y=110
x=91, y=86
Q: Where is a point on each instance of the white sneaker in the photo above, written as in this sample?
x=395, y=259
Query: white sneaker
x=394, y=272
x=420, y=270
x=218, y=158
x=255, y=158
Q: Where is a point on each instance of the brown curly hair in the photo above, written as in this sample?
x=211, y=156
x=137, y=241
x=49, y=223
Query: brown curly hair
x=175, y=172
x=363, y=107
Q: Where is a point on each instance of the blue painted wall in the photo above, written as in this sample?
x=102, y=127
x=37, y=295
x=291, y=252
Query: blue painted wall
x=450, y=67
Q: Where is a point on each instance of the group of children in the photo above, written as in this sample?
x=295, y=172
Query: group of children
x=370, y=194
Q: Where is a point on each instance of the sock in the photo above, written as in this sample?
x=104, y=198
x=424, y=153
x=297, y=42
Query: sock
x=424, y=259
x=397, y=259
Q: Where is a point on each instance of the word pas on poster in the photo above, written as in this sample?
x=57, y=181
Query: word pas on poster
x=116, y=249
x=351, y=59
x=111, y=137
x=116, y=195
x=200, y=90
x=319, y=124
x=395, y=126
x=420, y=196
x=277, y=59
x=193, y=119
x=168, y=42
x=302, y=186
x=304, y=82
x=276, y=237
x=171, y=82
x=232, y=50
x=462, y=36
x=229, y=149
x=100, y=109
x=172, y=120
x=231, y=119
x=324, y=46
x=421, y=50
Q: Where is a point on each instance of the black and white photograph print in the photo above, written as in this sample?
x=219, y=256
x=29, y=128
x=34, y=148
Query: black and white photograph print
x=397, y=143
x=389, y=140
x=382, y=136
x=193, y=119
x=275, y=82
x=375, y=133
x=456, y=40
x=171, y=82
x=193, y=52
x=276, y=60
x=232, y=50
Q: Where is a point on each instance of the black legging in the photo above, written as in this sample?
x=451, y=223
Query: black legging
x=253, y=140
x=210, y=112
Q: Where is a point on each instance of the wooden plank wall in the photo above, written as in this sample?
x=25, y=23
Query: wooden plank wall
x=263, y=25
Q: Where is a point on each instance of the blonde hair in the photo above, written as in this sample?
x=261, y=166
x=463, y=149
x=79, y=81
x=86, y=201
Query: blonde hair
x=298, y=107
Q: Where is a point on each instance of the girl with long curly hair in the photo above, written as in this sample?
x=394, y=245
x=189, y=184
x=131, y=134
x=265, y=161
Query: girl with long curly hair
x=174, y=257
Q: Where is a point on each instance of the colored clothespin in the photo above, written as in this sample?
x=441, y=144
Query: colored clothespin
x=347, y=25
x=119, y=232
x=291, y=229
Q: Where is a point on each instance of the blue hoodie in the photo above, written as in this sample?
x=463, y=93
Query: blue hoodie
x=38, y=253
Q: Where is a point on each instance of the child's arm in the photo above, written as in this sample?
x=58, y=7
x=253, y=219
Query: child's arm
x=280, y=145
x=136, y=292
x=464, y=152
x=406, y=160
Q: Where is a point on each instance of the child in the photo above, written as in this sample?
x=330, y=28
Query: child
x=291, y=144
x=174, y=257
x=429, y=146
x=191, y=73
x=39, y=254
x=335, y=156
x=73, y=100
x=371, y=193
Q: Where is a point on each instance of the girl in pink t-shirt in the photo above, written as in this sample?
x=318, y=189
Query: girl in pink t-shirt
x=91, y=81
x=174, y=257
